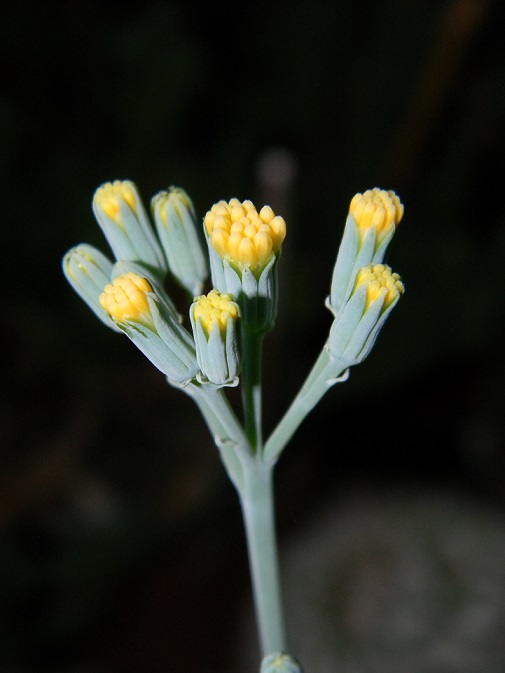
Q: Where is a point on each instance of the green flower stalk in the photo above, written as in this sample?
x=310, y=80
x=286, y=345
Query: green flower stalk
x=119, y=212
x=176, y=224
x=133, y=306
x=214, y=320
x=244, y=248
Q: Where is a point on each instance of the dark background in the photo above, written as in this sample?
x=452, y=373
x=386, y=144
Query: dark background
x=122, y=547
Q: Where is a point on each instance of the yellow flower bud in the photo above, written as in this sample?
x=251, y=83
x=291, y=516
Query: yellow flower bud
x=121, y=215
x=109, y=196
x=355, y=328
x=125, y=299
x=150, y=323
x=376, y=208
x=247, y=238
x=215, y=309
x=214, y=322
x=379, y=280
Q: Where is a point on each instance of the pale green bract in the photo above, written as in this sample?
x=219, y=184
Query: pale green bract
x=353, y=256
x=180, y=238
x=356, y=327
x=88, y=271
x=218, y=350
x=167, y=344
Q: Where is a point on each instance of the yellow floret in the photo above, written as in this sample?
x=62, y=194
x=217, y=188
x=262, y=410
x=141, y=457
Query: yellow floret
x=175, y=196
x=215, y=308
x=376, y=208
x=125, y=299
x=108, y=197
x=247, y=237
x=380, y=280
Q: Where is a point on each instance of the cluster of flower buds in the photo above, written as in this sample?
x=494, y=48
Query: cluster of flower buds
x=370, y=226
x=363, y=290
x=244, y=247
x=129, y=296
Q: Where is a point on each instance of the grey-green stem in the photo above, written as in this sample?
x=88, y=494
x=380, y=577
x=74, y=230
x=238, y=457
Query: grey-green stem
x=253, y=479
x=257, y=500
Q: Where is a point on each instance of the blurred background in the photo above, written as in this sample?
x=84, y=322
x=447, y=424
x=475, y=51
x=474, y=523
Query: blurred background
x=121, y=543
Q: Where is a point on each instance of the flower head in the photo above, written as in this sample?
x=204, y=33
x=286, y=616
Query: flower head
x=376, y=208
x=355, y=328
x=214, y=321
x=180, y=238
x=126, y=226
x=125, y=299
x=215, y=310
x=139, y=312
x=244, y=248
x=242, y=235
x=110, y=196
x=380, y=281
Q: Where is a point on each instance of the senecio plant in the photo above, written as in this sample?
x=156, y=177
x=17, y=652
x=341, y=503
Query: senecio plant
x=242, y=248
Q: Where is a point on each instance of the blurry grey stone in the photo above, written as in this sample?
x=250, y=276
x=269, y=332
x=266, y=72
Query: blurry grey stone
x=277, y=168
x=395, y=582
x=276, y=171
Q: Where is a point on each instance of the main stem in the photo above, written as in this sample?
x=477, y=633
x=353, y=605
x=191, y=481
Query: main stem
x=253, y=479
x=257, y=502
